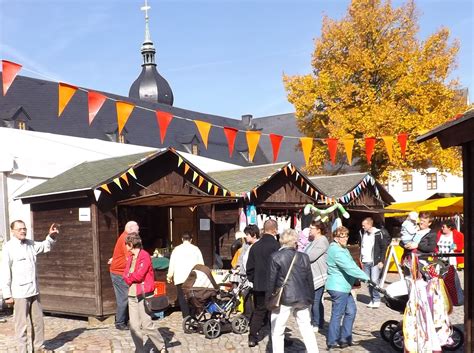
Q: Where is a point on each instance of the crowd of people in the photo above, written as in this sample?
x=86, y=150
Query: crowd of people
x=306, y=265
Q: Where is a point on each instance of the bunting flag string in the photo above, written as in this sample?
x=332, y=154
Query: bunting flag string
x=357, y=190
x=124, y=109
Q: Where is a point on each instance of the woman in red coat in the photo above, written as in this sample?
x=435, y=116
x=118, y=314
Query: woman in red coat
x=139, y=276
x=449, y=240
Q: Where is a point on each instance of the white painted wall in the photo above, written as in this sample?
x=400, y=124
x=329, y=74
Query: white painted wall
x=447, y=183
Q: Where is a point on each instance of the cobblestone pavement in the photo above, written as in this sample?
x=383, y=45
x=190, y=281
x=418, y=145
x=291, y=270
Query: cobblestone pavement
x=76, y=335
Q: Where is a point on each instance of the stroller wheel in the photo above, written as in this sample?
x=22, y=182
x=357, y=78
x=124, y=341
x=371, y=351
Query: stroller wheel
x=456, y=340
x=240, y=324
x=212, y=329
x=190, y=324
x=396, y=340
x=387, y=328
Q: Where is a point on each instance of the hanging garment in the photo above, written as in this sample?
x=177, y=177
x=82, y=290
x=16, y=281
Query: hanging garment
x=242, y=220
x=438, y=308
x=251, y=214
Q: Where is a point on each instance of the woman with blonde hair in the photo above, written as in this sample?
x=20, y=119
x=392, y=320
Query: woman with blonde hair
x=342, y=273
x=298, y=292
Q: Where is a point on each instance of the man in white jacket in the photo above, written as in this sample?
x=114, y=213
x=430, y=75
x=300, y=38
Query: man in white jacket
x=19, y=281
x=183, y=258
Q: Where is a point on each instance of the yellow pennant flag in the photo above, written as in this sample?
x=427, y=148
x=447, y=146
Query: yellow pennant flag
x=204, y=129
x=224, y=192
x=307, y=146
x=252, y=142
x=209, y=186
x=117, y=181
x=200, y=181
x=65, y=94
x=124, y=110
x=195, y=175
x=180, y=160
x=125, y=177
x=348, y=142
x=106, y=188
x=132, y=173
x=389, y=145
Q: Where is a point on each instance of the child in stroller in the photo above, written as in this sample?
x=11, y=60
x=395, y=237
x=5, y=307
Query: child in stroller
x=212, y=308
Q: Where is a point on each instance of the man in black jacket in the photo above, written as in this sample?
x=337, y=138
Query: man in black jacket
x=372, y=255
x=258, y=272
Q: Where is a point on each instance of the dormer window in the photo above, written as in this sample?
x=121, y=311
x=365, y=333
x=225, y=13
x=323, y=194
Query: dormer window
x=22, y=125
x=195, y=149
x=121, y=139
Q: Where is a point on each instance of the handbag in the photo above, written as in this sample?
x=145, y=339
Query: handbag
x=154, y=304
x=275, y=299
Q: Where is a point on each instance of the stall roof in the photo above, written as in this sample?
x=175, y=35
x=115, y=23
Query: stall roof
x=336, y=186
x=444, y=206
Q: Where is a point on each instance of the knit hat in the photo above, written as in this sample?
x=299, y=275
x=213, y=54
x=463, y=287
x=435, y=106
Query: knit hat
x=413, y=215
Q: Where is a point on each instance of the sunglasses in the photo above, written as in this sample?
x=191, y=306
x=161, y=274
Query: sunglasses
x=343, y=236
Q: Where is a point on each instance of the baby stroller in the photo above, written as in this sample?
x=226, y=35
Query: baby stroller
x=212, y=307
x=396, y=298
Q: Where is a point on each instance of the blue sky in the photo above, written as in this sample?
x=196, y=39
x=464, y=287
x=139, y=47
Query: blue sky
x=223, y=57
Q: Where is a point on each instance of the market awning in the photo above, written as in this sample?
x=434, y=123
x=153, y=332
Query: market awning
x=439, y=207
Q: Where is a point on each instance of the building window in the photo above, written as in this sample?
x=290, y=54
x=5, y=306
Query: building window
x=431, y=181
x=194, y=149
x=407, y=183
x=21, y=125
x=121, y=139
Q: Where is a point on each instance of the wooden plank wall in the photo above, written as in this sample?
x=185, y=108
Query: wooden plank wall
x=66, y=274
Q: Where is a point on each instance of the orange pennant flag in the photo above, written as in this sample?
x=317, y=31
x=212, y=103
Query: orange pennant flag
x=389, y=145
x=216, y=188
x=9, y=72
x=65, y=93
x=95, y=101
x=252, y=142
x=203, y=128
x=124, y=110
x=276, y=142
x=164, y=119
x=125, y=177
x=307, y=146
x=200, y=181
x=255, y=192
x=186, y=168
x=332, y=147
x=106, y=188
x=285, y=169
x=348, y=143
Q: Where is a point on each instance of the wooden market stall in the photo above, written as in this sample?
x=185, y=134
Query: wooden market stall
x=460, y=132
x=162, y=191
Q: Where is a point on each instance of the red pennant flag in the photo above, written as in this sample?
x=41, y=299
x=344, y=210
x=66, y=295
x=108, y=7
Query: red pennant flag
x=164, y=119
x=402, y=140
x=369, y=148
x=9, y=72
x=332, y=147
x=95, y=102
x=230, y=134
x=276, y=142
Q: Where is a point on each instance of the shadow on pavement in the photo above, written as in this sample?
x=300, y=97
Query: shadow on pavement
x=63, y=338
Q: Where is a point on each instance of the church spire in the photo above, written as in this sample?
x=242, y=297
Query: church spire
x=150, y=85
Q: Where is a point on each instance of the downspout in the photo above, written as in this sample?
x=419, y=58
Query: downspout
x=4, y=216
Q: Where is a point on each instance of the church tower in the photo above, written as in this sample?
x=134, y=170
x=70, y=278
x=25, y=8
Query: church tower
x=150, y=85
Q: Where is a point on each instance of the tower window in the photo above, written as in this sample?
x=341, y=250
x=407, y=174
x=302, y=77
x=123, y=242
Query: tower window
x=431, y=181
x=407, y=183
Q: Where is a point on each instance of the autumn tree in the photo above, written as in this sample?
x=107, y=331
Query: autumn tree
x=373, y=77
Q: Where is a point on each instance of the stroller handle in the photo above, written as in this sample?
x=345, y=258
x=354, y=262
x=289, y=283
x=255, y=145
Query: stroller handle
x=376, y=287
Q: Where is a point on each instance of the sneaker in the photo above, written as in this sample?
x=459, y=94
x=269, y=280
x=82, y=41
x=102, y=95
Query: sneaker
x=375, y=305
x=370, y=305
x=121, y=327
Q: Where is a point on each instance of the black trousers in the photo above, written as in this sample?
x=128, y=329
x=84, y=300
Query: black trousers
x=183, y=304
x=257, y=319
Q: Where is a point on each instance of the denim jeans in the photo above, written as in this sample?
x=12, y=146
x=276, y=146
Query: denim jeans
x=121, y=296
x=317, y=318
x=373, y=271
x=343, y=307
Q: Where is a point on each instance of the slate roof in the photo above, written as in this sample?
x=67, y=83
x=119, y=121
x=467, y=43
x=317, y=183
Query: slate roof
x=39, y=99
x=88, y=175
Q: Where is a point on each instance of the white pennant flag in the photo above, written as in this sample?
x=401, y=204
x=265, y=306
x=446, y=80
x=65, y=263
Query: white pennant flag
x=97, y=193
